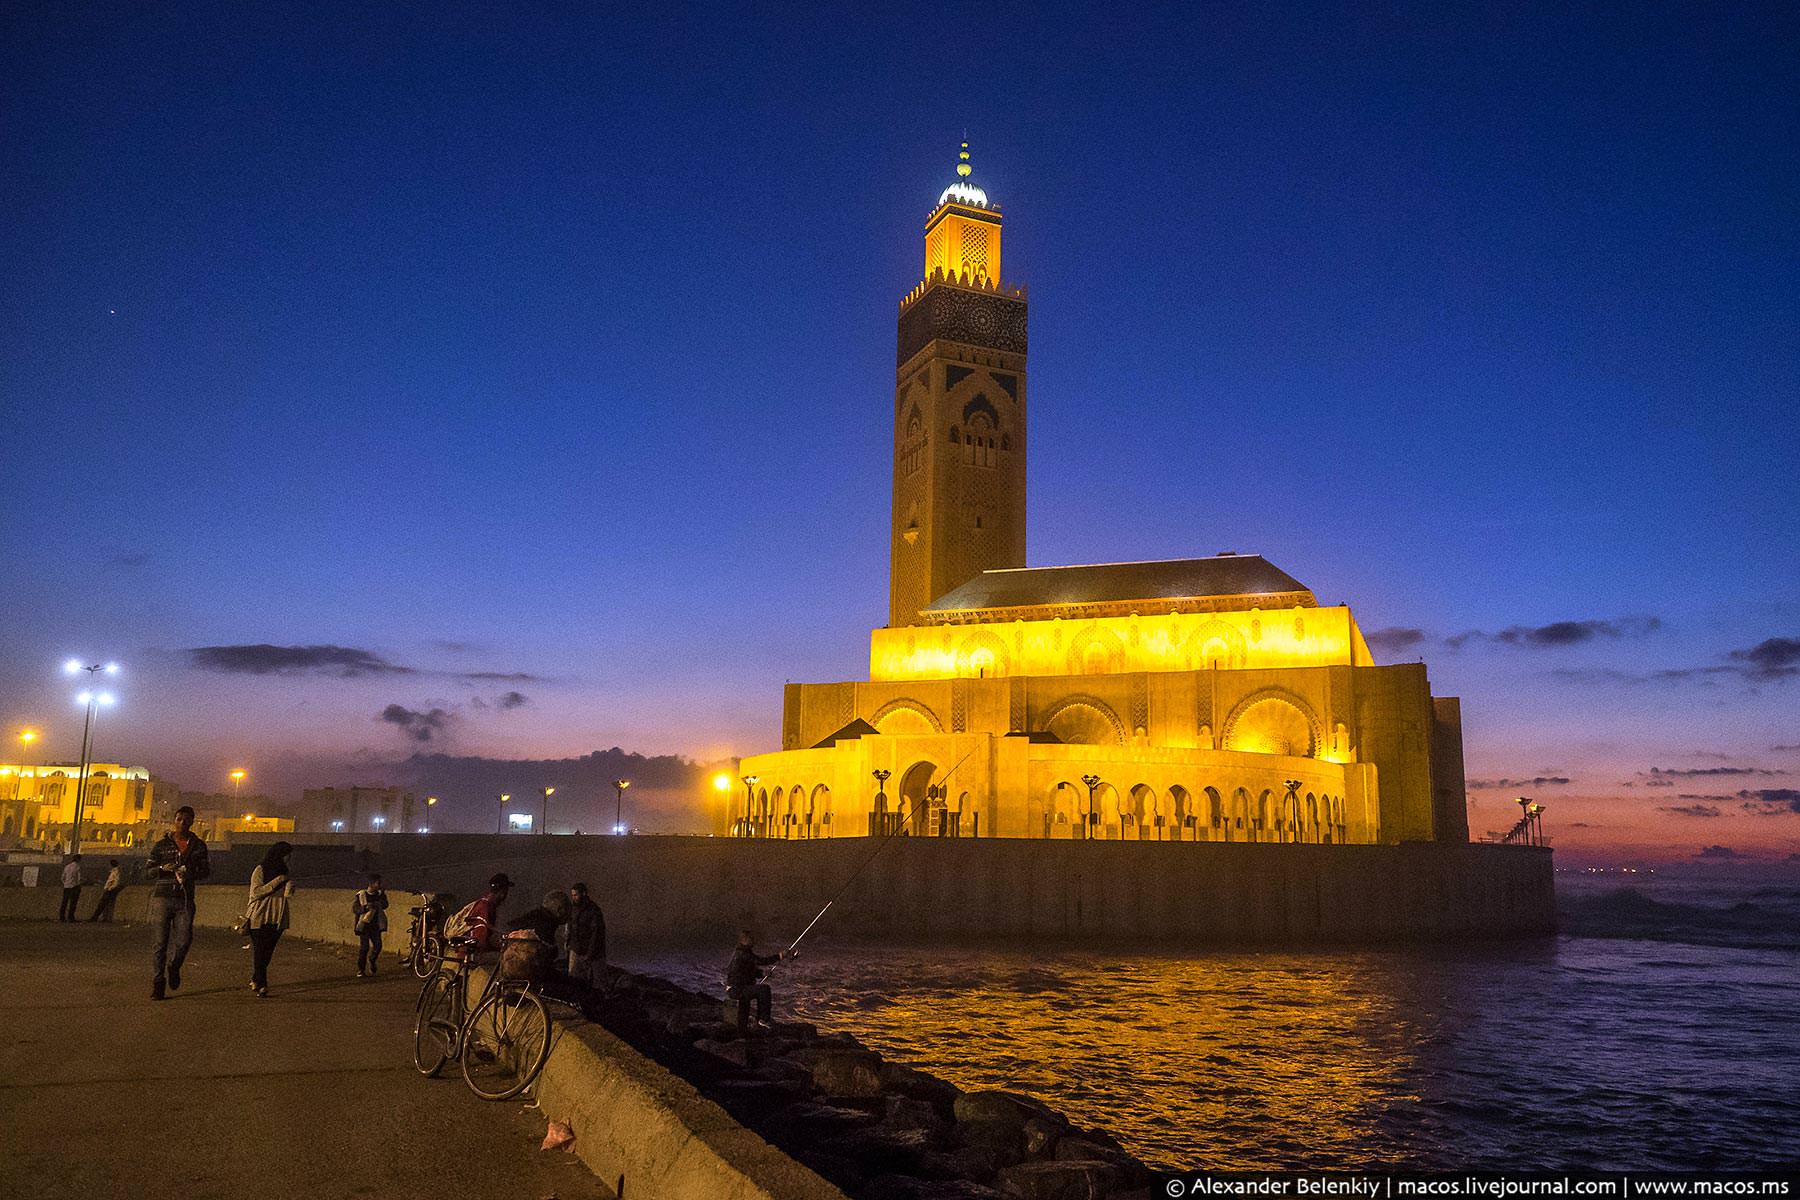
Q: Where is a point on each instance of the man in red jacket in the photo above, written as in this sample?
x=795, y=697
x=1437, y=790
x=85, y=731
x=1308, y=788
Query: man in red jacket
x=482, y=918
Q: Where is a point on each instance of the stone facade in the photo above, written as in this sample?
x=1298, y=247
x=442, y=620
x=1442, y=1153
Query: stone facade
x=1184, y=700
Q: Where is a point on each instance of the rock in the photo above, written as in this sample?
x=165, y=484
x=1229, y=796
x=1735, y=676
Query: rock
x=739, y=1053
x=848, y=1073
x=1061, y=1180
x=1009, y=1107
x=1041, y=1136
x=823, y=1119
x=904, y=1187
x=918, y=1085
x=1079, y=1149
x=1003, y=1141
x=903, y=1112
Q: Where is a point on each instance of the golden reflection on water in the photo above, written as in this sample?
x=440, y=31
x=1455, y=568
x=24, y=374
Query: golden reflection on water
x=1181, y=1057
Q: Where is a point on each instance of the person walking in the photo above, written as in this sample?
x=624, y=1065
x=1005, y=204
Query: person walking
x=369, y=908
x=71, y=879
x=177, y=863
x=587, y=938
x=267, y=913
x=109, y=894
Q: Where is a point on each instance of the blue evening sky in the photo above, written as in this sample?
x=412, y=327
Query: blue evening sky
x=556, y=341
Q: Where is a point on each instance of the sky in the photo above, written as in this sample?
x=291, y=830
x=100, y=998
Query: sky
x=513, y=382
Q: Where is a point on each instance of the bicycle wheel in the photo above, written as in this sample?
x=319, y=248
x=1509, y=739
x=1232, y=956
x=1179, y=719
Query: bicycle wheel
x=434, y=1031
x=421, y=959
x=506, y=1044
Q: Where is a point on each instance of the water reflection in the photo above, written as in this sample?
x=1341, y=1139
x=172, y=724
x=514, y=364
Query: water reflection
x=1571, y=1053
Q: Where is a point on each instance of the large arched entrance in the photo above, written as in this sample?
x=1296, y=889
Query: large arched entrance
x=915, y=803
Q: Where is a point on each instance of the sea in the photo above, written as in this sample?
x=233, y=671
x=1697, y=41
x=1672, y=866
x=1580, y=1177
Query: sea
x=1658, y=1031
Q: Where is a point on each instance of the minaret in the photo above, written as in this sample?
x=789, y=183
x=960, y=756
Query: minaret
x=959, y=409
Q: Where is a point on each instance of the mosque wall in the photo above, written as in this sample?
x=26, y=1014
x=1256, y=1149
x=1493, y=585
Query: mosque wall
x=926, y=890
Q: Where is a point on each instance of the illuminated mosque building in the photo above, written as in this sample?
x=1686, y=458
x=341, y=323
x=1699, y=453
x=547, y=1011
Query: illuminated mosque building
x=1199, y=699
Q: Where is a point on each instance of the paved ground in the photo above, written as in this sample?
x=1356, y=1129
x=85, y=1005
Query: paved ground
x=308, y=1094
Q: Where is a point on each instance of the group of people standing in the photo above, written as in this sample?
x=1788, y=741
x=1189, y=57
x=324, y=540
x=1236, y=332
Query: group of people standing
x=72, y=883
x=564, y=936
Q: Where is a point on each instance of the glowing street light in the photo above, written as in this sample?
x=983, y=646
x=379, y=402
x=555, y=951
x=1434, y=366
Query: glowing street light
x=429, y=801
x=91, y=699
x=337, y=826
x=237, y=783
x=379, y=820
x=504, y=797
x=545, y=816
x=619, y=786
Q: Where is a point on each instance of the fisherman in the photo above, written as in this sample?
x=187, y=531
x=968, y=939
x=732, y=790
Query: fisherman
x=744, y=981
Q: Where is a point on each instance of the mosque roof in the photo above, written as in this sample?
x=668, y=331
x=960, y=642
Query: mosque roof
x=1152, y=583
x=963, y=191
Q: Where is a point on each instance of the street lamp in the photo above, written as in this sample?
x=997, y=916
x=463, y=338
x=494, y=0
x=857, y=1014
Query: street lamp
x=1093, y=783
x=429, y=801
x=1537, y=820
x=379, y=821
x=881, y=778
x=91, y=699
x=237, y=785
x=619, y=786
x=749, y=800
x=1293, y=793
x=548, y=792
x=501, y=826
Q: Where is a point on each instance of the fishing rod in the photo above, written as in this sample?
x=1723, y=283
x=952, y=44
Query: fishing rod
x=879, y=847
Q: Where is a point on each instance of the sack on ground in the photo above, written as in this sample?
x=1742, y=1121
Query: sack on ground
x=525, y=957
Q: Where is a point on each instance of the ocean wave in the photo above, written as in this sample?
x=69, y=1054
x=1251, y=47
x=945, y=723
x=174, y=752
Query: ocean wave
x=1629, y=913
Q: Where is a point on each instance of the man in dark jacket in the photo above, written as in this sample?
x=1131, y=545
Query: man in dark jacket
x=177, y=863
x=743, y=981
x=587, y=938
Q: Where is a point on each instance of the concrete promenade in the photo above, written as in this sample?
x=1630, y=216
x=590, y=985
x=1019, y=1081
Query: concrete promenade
x=309, y=1094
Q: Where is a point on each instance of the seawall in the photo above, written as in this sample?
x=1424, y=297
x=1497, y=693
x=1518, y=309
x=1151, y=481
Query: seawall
x=677, y=889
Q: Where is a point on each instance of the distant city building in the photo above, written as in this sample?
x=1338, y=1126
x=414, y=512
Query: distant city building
x=37, y=803
x=359, y=810
x=1203, y=699
x=218, y=815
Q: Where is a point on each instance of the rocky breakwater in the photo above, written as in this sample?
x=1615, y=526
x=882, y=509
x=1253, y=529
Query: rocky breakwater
x=876, y=1129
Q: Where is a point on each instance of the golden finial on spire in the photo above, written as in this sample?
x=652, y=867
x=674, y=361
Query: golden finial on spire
x=962, y=165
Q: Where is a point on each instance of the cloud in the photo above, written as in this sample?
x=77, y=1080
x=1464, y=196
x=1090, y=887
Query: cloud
x=1783, y=746
x=420, y=726
x=1581, y=825
x=500, y=677
x=1691, y=810
x=1691, y=772
x=1774, y=658
x=344, y=662
x=1560, y=633
x=1771, y=802
x=1706, y=796
x=1482, y=785
x=1393, y=641
x=1718, y=852
x=514, y=700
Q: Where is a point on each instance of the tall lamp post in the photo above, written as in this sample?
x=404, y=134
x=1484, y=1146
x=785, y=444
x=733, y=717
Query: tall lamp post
x=881, y=778
x=500, y=827
x=619, y=786
x=91, y=699
x=1293, y=795
x=749, y=802
x=1087, y=820
x=548, y=792
x=429, y=801
x=237, y=787
x=1537, y=820
x=26, y=737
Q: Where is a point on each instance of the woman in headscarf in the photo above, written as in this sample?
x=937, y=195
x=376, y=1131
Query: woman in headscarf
x=267, y=914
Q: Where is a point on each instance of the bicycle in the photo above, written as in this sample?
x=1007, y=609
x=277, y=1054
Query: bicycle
x=502, y=1042
x=425, y=945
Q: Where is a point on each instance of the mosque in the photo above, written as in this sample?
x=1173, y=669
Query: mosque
x=1193, y=699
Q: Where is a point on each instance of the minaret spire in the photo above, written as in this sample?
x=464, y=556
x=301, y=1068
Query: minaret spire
x=963, y=168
